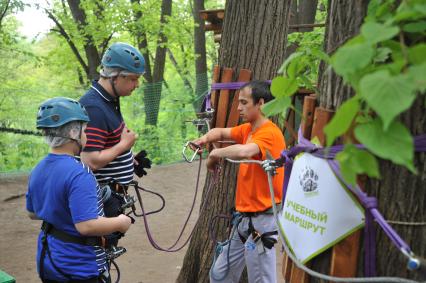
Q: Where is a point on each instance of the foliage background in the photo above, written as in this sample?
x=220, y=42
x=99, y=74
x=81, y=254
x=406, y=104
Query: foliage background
x=37, y=69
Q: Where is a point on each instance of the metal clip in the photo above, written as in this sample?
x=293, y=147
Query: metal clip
x=185, y=147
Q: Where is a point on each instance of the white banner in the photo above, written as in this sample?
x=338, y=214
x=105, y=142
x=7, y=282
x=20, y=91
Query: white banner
x=318, y=210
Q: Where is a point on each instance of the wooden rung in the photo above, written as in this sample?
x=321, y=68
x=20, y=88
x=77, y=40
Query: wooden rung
x=213, y=16
x=309, y=103
x=321, y=118
x=344, y=257
x=286, y=268
x=213, y=27
x=222, y=107
x=244, y=76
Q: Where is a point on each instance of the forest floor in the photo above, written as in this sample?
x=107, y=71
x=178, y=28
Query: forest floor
x=141, y=263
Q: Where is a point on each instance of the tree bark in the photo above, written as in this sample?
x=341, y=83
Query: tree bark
x=401, y=195
x=92, y=54
x=201, y=84
x=152, y=95
x=253, y=37
x=344, y=19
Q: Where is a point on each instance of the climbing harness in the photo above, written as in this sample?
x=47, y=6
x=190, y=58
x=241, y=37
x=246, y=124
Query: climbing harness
x=286, y=159
x=49, y=229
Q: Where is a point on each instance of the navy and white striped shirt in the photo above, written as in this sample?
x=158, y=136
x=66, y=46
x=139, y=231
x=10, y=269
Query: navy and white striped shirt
x=104, y=131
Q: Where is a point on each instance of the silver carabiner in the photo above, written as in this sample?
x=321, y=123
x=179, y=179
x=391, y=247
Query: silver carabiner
x=185, y=147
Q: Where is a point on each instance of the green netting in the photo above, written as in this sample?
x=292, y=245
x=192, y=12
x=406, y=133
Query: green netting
x=170, y=104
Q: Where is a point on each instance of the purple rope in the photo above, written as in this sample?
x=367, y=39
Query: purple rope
x=370, y=203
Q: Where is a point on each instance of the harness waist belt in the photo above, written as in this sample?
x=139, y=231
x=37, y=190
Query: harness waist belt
x=65, y=237
x=257, y=213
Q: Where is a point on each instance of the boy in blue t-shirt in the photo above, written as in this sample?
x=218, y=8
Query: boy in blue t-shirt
x=64, y=194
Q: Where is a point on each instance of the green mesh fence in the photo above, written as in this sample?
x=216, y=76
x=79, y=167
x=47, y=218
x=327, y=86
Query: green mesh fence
x=160, y=113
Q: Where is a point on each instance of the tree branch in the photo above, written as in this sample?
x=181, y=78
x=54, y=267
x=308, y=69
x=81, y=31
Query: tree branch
x=3, y=14
x=68, y=40
x=179, y=70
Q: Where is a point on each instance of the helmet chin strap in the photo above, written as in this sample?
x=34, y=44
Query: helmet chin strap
x=114, y=90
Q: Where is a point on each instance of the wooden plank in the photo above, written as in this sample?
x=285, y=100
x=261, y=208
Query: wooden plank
x=244, y=76
x=344, y=257
x=212, y=27
x=222, y=107
x=286, y=267
x=308, y=116
x=214, y=94
x=321, y=118
x=296, y=275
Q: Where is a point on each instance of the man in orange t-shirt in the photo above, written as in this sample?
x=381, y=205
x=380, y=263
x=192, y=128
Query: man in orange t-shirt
x=254, y=234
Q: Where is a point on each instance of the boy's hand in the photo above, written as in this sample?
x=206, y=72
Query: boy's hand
x=125, y=222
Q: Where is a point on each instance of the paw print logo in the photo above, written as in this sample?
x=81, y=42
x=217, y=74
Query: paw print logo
x=308, y=180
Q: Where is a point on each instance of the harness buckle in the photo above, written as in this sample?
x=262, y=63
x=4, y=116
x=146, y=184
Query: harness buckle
x=256, y=236
x=184, y=151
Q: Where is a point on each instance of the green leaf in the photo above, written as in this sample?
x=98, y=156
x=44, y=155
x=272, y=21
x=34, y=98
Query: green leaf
x=417, y=75
x=290, y=58
x=382, y=54
x=417, y=54
x=281, y=86
x=349, y=59
x=395, y=143
x=354, y=161
x=387, y=95
x=415, y=27
x=342, y=120
x=276, y=106
x=296, y=67
x=374, y=32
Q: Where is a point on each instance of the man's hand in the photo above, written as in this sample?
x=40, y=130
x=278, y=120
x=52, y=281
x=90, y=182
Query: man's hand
x=128, y=138
x=197, y=144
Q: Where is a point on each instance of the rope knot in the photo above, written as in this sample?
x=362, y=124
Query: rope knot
x=370, y=203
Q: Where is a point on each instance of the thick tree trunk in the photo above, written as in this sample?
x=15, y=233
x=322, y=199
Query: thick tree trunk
x=344, y=19
x=200, y=53
x=254, y=36
x=401, y=195
x=152, y=95
x=92, y=55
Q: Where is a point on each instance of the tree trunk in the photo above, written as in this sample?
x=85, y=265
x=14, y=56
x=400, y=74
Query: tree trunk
x=201, y=84
x=152, y=95
x=344, y=19
x=400, y=194
x=92, y=55
x=402, y=197
x=254, y=36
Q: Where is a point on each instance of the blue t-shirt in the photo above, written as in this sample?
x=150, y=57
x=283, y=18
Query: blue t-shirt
x=63, y=192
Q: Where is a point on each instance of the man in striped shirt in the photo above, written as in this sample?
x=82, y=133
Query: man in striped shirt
x=109, y=141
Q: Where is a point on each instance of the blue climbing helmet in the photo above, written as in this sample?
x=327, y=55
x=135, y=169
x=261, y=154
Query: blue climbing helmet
x=58, y=111
x=124, y=56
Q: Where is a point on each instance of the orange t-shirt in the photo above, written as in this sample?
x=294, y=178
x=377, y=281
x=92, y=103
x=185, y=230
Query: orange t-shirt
x=252, y=193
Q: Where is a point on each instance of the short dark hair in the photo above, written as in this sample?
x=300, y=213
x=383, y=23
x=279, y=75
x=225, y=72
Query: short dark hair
x=259, y=89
